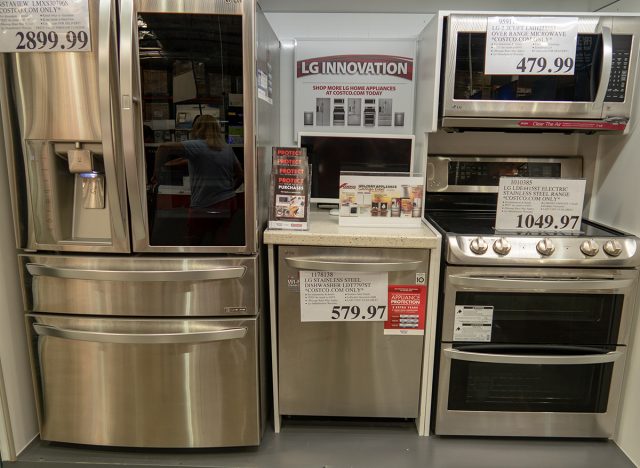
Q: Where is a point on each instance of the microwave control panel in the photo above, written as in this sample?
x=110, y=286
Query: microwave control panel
x=621, y=54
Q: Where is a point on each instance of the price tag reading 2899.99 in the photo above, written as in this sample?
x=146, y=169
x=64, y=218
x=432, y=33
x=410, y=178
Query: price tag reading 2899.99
x=39, y=26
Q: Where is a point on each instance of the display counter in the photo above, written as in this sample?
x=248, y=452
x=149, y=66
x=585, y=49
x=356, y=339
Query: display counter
x=325, y=367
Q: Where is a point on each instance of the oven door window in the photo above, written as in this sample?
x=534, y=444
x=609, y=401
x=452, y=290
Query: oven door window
x=471, y=83
x=481, y=386
x=570, y=319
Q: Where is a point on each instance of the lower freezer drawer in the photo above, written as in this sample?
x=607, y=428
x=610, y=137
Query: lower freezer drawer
x=148, y=383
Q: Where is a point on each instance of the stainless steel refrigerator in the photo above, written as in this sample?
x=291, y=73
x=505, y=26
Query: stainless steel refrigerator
x=323, y=111
x=140, y=254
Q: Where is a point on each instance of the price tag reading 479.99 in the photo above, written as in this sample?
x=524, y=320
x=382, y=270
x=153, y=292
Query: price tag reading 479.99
x=51, y=26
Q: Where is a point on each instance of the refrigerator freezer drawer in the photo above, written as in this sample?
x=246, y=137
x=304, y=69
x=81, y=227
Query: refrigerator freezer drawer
x=346, y=368
x=148, y=383
x=141, y=286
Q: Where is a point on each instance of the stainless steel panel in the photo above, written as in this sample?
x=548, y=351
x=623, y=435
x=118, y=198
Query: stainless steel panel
x=542, y=281
x=62, y=99
x=438, y=170
x=130, y=286
x=477, y=110
x=346, y=369
x=526, y=424
x=144, y=391
x=132, y=127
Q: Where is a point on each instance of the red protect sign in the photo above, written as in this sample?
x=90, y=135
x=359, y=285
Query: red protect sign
x=406, y=310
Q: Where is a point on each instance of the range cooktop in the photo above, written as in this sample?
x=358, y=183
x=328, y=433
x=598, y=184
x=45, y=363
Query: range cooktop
x=470, y=238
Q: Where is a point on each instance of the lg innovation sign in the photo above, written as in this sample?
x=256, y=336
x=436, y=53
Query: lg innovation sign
x=354, y=87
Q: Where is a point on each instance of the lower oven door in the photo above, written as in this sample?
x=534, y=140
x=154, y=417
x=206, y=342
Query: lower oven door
x=534, y=391
x=148, y=383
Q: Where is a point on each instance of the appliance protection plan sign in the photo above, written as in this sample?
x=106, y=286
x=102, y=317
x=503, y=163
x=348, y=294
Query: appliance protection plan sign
x=539, y=205
x=531, y=45
x=353, y=296
x=44, y=26
x=359, y=86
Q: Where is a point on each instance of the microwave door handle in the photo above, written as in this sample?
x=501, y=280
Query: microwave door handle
x=532, y=359
x=605, y=73
x=302, y=263
x=235, y=272
x=107, y=67
x=141, y=338
x=541, y=284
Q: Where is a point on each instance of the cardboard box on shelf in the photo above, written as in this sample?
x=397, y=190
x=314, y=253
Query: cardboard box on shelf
x=155, y=82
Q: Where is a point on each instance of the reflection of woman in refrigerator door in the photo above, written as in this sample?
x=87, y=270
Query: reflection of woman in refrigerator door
x=214, y=176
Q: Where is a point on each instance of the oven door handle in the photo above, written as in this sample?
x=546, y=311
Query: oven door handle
x=535, y=359
x=303, y=263
x=477, y=282
x=141, y=338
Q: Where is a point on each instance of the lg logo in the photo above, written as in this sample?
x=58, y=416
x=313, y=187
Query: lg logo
x=233, y=2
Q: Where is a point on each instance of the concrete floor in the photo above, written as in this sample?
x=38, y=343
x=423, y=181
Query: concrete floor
x=347, y=445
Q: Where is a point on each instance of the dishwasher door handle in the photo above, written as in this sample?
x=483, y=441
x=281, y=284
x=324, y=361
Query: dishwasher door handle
x=136, y=275
x=141, y=338
x=310, y=263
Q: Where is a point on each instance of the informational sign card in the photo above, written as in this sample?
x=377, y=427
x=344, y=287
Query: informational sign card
x=289, y=189
x=473, y=323
x=379, y=200
x=355, y=86
x=45, y=26
x=353, y=296
x=531, y=45
x=540, y=205
x=407, y=305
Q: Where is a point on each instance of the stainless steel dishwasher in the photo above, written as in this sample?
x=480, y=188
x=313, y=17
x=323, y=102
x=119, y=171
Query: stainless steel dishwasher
x=346, y=368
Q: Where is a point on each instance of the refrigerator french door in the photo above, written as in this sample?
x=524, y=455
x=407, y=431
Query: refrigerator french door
x=187, y=73
x=346, y=368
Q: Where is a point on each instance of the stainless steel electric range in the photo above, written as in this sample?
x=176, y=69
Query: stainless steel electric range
x=533, y=328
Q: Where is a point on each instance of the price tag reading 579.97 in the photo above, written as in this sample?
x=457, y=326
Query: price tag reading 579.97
x=356, y=312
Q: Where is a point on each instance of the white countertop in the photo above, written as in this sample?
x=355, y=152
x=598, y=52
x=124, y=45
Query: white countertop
x=325, y=231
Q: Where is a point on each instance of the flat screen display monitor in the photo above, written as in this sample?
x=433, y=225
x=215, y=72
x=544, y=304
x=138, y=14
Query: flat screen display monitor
x=329, y=154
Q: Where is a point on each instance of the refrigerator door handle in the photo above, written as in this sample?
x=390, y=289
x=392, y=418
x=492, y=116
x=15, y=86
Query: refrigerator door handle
x=234, y=272
x=130, y=107
x=108, y=89
x=303, y=263
x=141, y=338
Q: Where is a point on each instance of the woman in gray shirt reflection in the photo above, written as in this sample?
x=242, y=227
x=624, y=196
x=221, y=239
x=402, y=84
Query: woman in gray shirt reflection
x=214, y=176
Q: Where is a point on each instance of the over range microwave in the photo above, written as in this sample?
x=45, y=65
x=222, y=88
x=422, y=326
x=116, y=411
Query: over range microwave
x=596, y=98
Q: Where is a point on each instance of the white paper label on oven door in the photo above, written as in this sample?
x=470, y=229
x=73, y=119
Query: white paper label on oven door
x=472, y=323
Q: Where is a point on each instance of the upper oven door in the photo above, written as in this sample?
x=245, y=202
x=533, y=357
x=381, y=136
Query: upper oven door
x=538, y=306
x=187, y=107
x=601, y=86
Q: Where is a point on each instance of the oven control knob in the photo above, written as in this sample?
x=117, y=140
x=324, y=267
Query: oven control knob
x=612, y=248
x=589, y=248
x=478, y=246
x=502, y=246
x=545, y=247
